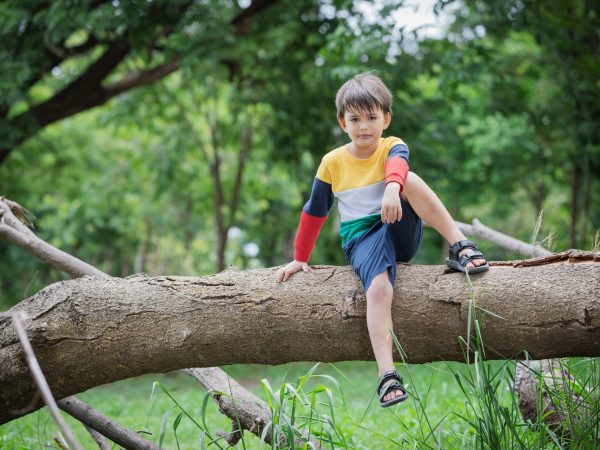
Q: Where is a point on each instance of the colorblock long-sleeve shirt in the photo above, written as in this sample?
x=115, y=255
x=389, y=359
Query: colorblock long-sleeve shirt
x=358, y=185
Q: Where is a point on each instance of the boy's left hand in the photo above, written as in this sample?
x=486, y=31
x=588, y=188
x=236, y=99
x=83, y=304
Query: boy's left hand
x=391, y=209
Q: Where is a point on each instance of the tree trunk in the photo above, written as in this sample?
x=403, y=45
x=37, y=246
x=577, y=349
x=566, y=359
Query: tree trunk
x=575, y=189
x=141, y=257
x=548, y=392
x=92, y=331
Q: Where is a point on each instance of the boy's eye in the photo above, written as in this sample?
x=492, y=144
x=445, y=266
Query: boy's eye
x=354, y=119
x=372, y=117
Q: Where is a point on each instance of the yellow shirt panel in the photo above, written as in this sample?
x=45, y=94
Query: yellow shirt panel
x=343, y=171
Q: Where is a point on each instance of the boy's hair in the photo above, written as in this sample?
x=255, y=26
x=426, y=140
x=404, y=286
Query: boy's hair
x=363, y=92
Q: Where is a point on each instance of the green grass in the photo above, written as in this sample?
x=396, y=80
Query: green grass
x=369, y=426
x=452, y=405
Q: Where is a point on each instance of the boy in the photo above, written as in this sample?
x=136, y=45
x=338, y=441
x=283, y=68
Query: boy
x=381, y=205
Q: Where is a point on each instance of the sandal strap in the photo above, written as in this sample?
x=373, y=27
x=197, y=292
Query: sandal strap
x=385, y=377
x=391, y=386
x=457, y=247
x=463, y=260
x=391, y=374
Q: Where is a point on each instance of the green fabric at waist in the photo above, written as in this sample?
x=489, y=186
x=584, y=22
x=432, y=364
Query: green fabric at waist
x=354, y=228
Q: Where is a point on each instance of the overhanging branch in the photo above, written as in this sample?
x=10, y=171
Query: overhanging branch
x=86, y=91
x=140, y=78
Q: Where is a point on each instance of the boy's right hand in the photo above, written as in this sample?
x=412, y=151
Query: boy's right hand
x=289, y=269
x=391, y=208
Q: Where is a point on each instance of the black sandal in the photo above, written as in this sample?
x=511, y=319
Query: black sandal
x=388, y=382
x=460, y=262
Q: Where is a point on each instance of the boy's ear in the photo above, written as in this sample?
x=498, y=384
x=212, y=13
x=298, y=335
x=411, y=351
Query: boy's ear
x=342, y=123
x=387, y=118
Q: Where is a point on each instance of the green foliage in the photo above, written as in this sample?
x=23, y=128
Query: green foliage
x=562, y=88
x=301, y=414
x=501, y=118
x=39, y=36
x=496, y=115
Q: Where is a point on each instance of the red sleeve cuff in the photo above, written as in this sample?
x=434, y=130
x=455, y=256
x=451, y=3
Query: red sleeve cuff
x=396, y=170
x=308, y=231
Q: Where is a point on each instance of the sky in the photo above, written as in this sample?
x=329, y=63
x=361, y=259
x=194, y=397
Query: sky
x=414, y=14
x=414, y=21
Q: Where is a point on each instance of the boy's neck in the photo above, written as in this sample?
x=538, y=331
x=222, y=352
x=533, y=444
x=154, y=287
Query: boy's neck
x=361, y=152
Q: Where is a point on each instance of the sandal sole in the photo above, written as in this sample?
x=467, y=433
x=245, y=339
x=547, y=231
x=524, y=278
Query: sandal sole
x=456, y=266
x=393, y=401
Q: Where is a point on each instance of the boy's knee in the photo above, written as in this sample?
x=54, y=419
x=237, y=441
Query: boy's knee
x=412, y=179
x=413, y=185
x=381, y=289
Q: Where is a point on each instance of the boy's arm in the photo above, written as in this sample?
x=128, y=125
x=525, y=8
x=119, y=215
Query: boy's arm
x=396, y=171
x=314, y=215
x=396, y=165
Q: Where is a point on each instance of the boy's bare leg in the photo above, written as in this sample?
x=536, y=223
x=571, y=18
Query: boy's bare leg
x=430, y=208
x=379, y=319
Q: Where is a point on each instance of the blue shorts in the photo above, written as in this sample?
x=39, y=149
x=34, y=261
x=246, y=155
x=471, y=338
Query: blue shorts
x=383, y=245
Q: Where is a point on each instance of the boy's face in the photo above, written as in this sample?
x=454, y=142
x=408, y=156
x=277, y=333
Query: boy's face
x=365, y=127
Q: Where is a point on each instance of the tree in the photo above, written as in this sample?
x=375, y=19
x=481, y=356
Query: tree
x=220, y=129
x=122, y=228
x=164, y=323
x=568, y=37
x=99, y=50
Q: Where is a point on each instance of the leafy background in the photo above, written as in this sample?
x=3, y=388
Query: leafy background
x=499, y=105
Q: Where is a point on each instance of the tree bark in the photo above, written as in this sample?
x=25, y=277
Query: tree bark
x=250, y=412
x=547, y=391
x=92, y=331
x=98, y=438
x=41, y=384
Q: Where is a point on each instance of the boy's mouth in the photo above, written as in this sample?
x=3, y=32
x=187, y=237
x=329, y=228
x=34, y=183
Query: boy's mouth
x=364, y=136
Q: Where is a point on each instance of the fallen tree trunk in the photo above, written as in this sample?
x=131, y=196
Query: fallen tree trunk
x=548, y=391
x=250, y=412
x=92, y=331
